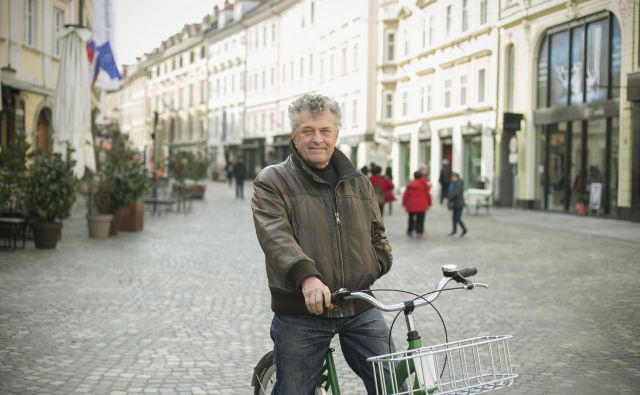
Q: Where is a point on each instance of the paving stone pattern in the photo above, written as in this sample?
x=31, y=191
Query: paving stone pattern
x=183, y=307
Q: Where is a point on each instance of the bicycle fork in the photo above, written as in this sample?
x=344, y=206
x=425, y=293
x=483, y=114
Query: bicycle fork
x=328, y=378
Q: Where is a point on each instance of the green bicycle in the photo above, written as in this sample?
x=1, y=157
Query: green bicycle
x=470, y=366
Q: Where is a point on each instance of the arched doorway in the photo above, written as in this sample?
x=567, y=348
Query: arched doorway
x=43, y=130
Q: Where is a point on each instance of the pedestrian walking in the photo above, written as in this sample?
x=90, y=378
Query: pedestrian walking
x=239, y=173
x=229, y=170
x=416, y=200
x=382, y=186
x=293, y=210
x=456, y=203
x=445, y=176
x=388, y=172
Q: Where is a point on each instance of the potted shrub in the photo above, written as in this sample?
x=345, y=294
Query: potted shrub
x=13, y=171
x=179, y=164
x=50, y=191
x=128, y=181
x=198, y=171
x=97, y=188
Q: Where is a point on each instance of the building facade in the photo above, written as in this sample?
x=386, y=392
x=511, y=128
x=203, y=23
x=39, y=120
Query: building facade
x=436, y=71
x=566, y=66
x=29, y=61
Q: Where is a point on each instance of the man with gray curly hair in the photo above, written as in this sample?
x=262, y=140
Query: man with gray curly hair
x=318, y=222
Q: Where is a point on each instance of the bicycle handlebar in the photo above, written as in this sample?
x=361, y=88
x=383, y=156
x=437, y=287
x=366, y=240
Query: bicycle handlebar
x=449, y=272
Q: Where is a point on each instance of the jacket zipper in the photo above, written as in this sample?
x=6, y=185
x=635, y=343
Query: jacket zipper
x=338, y=233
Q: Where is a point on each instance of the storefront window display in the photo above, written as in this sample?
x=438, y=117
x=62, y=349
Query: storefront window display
x=473, y=162
x=579, y=69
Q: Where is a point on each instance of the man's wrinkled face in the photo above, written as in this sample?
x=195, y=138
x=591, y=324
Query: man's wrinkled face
x=315, y=137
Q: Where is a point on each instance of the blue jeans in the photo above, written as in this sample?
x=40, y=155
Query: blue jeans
x=301, y=344
x=457, y=219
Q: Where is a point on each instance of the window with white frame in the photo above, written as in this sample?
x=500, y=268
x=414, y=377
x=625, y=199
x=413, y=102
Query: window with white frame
x=481, y=85
x=312, y=13
x=301, y=67
x=448, y=20
x=429, y=97
x=388, y=105
x=321, y=68
x=405, y=104
x=273, y=76
x=264, y=79
x=424, y=32
x=355, y=57
x=483, y=12
x=344, y=61
x=310, y=64
x=406, y=42
x=422, y=92
x=431, y=19
x=58, y=25
x=331, y=65
x=30, y=22
x=390, y=47
x=447, y=93
x=284, y=73
x=465, y=15
x=264, y=36
x=292, y=70
x=463, y=90
x=273, y=33
x=354, y=115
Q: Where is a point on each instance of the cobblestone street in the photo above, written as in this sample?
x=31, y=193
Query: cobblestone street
x=183, y=307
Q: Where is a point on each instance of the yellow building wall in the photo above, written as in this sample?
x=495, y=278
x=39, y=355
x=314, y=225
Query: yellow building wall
x=31, y=67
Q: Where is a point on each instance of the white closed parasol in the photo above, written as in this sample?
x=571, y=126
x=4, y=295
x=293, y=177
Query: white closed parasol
x=72, y=110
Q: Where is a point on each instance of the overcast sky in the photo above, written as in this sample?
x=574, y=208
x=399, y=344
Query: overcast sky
x=141, y=25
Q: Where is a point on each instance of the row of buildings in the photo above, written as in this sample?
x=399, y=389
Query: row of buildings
x=535, y=100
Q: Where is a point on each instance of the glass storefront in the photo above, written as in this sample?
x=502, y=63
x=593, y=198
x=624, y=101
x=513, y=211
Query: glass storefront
x=473, y=162
x=405, y=156
x=424, y=152
x=577, y=116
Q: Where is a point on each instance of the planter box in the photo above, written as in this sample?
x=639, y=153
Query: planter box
x=132, y=217
x=197, y=191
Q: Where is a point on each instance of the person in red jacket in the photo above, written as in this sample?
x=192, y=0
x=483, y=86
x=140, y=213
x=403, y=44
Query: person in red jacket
x=382, y=186
x=416, y=201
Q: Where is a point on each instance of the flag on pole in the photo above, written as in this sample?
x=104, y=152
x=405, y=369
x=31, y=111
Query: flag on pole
x=105, y=74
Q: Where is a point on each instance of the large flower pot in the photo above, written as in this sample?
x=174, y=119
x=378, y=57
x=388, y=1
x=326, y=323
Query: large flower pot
x=99, y=225
x=132, y=217
x=45, y=234
x=115, y=223
x=197, y=191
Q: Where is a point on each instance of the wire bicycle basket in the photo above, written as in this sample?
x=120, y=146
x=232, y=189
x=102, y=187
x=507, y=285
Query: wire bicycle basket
x=464, y=367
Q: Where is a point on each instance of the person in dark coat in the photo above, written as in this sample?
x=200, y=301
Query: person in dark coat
x=456, y=203
x=229, y=170
x=416, y=201
x=445, y=176
x=239, y=174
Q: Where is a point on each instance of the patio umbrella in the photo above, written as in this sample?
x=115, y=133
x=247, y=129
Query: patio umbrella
x=72, y=110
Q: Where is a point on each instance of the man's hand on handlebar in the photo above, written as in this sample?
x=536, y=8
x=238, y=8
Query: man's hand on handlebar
x=316, y=295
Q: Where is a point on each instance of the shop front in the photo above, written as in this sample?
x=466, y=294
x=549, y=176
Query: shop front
x=577, y=116
x=253, y=155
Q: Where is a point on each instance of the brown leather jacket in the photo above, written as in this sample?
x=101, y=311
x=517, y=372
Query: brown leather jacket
x=305, y=232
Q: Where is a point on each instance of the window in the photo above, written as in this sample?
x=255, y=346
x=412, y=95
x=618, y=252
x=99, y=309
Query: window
x=301, y=67
x=30, y=21
x=429, y=96
x=192, y=56
x=255, y=81
x=273, y=33
x=463, y=90
x=424, y=32
x=355, y=56
x=191, y=93
x=481, y=82
x=331, y=65
x=448, y=20
x=292, y=70
x=321, y=69
x=312, y=13
x=273, y=76
x=181, y=97
x=233, y=83
x=264, y=79
x=202, y=52
x=483, y=12
x=264, y=36
x=311, y=64
x=447, y=93
x=284, y=73
x=510, y=77
x=203, y=93
x=256, y=39
x=422, y=99
x=430, y=29
x=465, y=15
x=406, y=43
x=390, y=47
x=354, y=110
x=388, y=105
x=344, y=61
x=405, y=104
x=58, y=25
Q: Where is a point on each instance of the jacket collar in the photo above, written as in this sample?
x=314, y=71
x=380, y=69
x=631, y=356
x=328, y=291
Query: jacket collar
x=342, y=164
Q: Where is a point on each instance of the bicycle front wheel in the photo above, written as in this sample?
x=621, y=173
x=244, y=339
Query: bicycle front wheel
x=264, y=375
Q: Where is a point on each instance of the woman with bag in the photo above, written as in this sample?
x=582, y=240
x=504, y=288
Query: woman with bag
x=416, y=201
